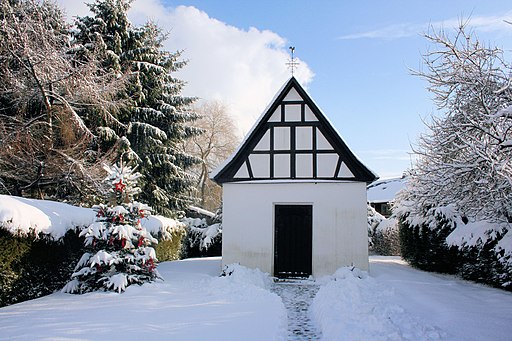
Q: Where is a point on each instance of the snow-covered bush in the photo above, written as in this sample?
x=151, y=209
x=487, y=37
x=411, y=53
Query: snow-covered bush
x=423, y=238
x=484, y=251
x=118, y=249
x=441, y=240
x=383, y=235
x=204, y=236
x=386, y=238
x=374, y=219
x=170, y=248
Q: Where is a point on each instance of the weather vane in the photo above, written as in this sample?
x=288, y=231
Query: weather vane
x=292, y=64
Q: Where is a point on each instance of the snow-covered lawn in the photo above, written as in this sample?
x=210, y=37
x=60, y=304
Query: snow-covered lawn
x=395, y=302
x=193, y=303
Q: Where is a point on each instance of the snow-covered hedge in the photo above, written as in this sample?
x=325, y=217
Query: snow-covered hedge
x=383, y=236
x=440, y=239
x=485, y=249
x=21, y=216
x=34, y=265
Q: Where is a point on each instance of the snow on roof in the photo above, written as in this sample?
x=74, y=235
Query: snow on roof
x=202, y=211
x=385, y=190
x=23, y=215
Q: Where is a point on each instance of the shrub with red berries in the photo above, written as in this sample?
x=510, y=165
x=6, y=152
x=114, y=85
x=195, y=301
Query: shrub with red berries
x=119, y=251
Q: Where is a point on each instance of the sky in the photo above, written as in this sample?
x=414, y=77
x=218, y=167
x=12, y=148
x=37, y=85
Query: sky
x=355, y=59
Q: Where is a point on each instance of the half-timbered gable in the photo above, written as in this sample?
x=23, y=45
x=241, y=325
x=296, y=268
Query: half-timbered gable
x=293, y=140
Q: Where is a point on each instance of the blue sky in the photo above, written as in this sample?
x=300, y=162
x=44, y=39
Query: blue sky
x=355, y=58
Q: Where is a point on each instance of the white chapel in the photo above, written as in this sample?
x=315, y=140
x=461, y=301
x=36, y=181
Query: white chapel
x=294, y=195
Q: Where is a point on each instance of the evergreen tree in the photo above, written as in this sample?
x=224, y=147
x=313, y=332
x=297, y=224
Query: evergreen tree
x=118, y=251
x=157, y=123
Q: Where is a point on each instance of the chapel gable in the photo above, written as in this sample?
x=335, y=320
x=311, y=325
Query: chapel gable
x=293, y=140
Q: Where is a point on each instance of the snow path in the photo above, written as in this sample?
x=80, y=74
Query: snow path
x=354, y=306
x=297, y=296
x=462, y=309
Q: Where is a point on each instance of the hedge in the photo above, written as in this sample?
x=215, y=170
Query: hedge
x=427, y=249
x=32, y=266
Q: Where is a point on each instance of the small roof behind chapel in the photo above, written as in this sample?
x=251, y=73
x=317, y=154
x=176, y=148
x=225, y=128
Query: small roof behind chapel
x=293, y=140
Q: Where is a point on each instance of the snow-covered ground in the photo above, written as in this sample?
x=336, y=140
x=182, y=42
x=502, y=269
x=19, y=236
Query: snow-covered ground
x=193, y=303
x=395, y=302
x=460, y=309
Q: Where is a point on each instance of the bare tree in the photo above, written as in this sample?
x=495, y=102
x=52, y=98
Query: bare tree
x=459, y=193
x=465, y=159
x=217, y=142
x=46, y=87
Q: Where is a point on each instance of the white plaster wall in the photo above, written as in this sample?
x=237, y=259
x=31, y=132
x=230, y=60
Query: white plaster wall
x=339, y=223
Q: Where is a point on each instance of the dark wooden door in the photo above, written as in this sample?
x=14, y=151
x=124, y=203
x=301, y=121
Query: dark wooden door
x=293, y=240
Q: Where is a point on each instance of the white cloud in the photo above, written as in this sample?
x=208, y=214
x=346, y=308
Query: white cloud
x=241, y=68
x=478, y=23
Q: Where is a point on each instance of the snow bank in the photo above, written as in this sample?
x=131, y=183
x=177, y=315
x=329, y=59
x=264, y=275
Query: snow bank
x=23, y=215
x=353, y=306
x=243, y=284
x=241, y=275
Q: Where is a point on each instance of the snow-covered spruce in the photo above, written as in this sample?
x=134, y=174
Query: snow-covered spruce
x=119, y=251
x=159, y=118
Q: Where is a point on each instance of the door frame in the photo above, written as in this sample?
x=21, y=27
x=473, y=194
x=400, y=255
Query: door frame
x=274, y=230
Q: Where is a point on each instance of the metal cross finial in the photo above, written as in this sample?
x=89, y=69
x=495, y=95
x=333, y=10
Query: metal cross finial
x=292, y=64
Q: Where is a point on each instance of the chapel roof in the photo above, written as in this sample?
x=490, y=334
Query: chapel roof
x=293, y=140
